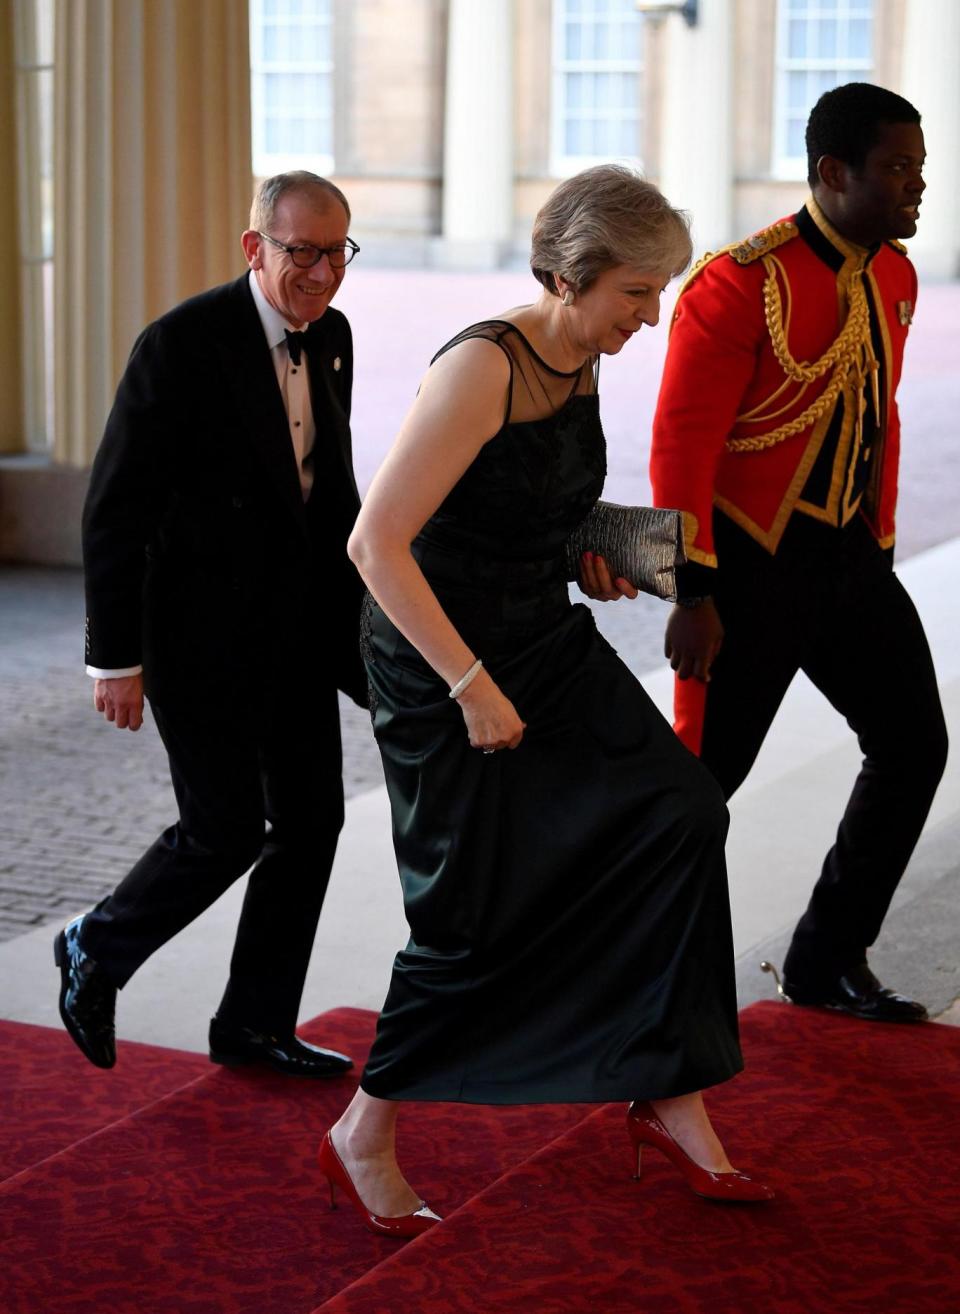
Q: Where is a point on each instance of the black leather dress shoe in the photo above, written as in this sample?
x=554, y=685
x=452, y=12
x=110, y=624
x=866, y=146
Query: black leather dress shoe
x=87, y=999
x=233, y=1046
x=860, y=994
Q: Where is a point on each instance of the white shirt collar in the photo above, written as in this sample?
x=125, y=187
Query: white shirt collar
x=274, y=324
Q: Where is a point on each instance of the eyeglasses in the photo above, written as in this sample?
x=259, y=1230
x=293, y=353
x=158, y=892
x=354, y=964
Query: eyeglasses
x=305, y=257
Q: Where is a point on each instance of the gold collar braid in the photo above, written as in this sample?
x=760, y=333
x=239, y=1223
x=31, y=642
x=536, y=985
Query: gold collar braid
x=850, y=356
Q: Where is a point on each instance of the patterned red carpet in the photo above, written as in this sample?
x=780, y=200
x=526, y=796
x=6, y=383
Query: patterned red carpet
x=208, y=1201
x=853, y=1124
x=52, y=1097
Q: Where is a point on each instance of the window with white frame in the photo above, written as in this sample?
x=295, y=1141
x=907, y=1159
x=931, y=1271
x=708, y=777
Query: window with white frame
x=597, y=70
x=291, y=75
x=820, y=44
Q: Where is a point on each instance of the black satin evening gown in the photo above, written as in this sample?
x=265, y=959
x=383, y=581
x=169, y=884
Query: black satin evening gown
x=569, y=919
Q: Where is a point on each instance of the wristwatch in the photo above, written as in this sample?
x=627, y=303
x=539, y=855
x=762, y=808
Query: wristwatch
x=691, y=603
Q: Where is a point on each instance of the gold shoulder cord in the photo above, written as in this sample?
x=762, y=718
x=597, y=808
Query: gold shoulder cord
x=850, y=356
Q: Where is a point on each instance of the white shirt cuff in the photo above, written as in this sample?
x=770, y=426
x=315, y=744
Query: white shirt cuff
x=99, y=674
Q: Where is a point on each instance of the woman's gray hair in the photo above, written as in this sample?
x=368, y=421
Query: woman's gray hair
x=268, y=194
x=605, y=216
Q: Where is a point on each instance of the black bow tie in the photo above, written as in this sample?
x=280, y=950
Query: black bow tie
x=295, y=344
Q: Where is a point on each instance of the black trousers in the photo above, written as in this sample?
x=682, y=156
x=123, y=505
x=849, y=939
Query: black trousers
x=260, y=788
x=830, y=605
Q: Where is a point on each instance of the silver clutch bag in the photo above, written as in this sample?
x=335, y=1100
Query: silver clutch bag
x=643, y=544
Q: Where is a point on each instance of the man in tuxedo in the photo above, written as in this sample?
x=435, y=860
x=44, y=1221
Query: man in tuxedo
x=217, y=584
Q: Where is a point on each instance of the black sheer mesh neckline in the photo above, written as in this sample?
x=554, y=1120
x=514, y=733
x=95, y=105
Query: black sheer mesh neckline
x=536, y=390
x=561, y=374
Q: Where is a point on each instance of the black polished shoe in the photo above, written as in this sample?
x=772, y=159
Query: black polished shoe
x=87, y=999
x=859, y=993
x=234, y=1046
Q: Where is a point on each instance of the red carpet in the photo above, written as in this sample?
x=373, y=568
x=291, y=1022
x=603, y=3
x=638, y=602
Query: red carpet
x=209, y=1201
x=52, y=1097
x=853, y=1124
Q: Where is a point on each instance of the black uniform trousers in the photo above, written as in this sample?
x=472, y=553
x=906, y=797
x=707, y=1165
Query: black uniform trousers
x=259, y=787
x=829, y=604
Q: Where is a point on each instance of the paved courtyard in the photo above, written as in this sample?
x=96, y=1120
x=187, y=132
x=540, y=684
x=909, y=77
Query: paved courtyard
x=81, y=799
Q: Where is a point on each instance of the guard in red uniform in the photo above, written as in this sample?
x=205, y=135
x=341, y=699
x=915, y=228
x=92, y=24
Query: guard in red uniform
x=777, y=434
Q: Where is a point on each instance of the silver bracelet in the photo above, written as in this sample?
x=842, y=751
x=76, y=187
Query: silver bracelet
x=465, y=680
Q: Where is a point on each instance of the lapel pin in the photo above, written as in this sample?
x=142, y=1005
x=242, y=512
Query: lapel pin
x=905, y=312
x=336, y=362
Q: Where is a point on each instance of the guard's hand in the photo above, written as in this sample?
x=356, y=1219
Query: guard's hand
x=492, y=720
x=693, y=639
x=597, y=582
x=120, y=700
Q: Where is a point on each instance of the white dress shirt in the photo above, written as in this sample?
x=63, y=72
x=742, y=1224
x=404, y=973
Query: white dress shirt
x=294, y=383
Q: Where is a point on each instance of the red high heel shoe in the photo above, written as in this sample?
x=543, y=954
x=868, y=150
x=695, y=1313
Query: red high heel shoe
x=403, y=1226
x=645, y=1128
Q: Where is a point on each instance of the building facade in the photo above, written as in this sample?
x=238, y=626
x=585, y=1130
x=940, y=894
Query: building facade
x=451, y=120
x=131, y=132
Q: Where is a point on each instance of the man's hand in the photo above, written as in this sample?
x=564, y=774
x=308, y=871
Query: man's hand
x=693, y=639
x=596, y=582
x=120, y=700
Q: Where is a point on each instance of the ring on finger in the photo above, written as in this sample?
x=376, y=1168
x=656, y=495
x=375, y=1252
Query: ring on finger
x=485, y=751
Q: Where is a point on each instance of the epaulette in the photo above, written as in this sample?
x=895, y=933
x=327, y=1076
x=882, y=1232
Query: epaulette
x=762, y=243
x=897, y=246
x=744, y=253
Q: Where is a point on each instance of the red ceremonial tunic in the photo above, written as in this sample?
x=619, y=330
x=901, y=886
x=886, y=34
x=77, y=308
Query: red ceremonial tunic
x=727, y=395
x=722, y=380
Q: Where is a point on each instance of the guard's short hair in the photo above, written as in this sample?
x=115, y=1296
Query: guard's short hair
x=605, y=216
x=268, y=194
x=846, y=123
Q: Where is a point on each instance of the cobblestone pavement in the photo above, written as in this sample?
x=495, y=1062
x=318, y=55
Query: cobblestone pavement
x=81, y=799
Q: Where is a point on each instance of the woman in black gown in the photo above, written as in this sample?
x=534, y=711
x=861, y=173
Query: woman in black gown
x=561, y=854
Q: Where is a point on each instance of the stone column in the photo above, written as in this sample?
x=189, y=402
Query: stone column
x=478, y=135
x=152, y=185
x=931, y=58
x=696, y=147
x=20, y=220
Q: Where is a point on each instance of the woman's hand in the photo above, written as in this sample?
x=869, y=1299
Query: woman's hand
x=491, y=719
x=597, y=583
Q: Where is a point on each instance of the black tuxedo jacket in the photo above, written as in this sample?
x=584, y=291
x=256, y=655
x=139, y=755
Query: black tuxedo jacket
x=202, y=561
